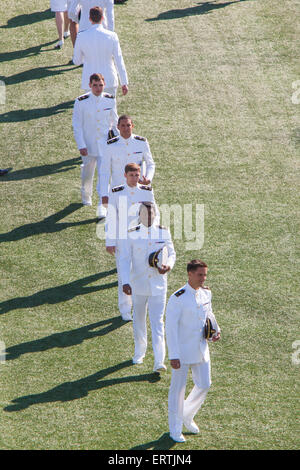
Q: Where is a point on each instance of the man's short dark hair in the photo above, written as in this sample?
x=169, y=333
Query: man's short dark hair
x=195, y=264
x=96, y=14
x=124, y=116
x=132, y=167
x=96, y=77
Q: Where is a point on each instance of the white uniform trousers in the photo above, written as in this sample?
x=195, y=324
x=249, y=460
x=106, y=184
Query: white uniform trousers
x=124, y=300
x=156, y=307
x=179, y=408
x=88, y=167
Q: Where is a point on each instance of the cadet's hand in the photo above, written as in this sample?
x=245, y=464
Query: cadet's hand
x=175, y=363
x=83, y=152
x=111, y=250
x=127, y=289
x=164, y=269
x=124, y=89
x=144, y=180
x=216, y=337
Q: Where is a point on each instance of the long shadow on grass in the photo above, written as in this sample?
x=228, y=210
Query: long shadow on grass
x=37, y=74
x=66, y=338
x=203, y=9
x=30, y=18
x=55, y=295
x=162, y=443
x=42, y=170
x=21, y=115
x=23, y=53
x=47, y=225
x=69, y=391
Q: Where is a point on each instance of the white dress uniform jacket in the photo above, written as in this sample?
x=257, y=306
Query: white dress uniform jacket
x=117, y=153
x=99, y=51
x=134, y=255
x=92, y=118
x=123, y=209
x=84, y=6
x=186, y=314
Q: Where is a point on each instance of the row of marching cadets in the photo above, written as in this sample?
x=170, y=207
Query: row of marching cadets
x=143, y=249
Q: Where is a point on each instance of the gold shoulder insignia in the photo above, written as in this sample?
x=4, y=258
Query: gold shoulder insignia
x=111, y=141
x=138, y=137
x=118, y=188
x=148, y=188
x=180, y=292
x=206, y=287
x=108, y=95
x=83, y=97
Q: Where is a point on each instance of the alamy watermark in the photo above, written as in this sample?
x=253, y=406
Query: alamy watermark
x=185, y=222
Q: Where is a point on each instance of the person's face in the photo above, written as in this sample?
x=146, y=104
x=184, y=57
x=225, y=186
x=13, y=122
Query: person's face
x=97, y=87
x=125, y=127
x=147, y=215
x=132, y=177
x=197, y=278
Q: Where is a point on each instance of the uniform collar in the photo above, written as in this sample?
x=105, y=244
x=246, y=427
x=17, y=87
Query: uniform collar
x=192, y=290
x=126, y=140
x=131, y=188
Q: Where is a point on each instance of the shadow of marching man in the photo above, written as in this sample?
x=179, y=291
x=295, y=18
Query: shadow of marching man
x=47, y=225
x=65, y=339
x=58, y=294
x=69, y=391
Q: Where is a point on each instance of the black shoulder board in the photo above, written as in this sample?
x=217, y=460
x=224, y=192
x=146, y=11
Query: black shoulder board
x=148, y=188
x=133, y=229
x=83, y=97
x=108, y=95
x=111, y=141
x=118, y=188
x=138, y=137
x=163, y=227
x=206, y=287
x=180, y=292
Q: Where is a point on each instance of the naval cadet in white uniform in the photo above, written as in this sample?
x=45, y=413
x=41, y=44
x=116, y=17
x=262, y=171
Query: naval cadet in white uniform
x=146, y=282
x=98, y=49
x=122, y=214
x=93, y=117
x=123, y=149
x=187, y=312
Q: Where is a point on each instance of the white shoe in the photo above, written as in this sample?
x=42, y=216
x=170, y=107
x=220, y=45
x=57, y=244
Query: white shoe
x=101, y=211
x=138, y=360
x=59, y=45
x=191, y=426
x=126, y=316
x=177, y=438
x=66, y=34
x=159, y=368
x=87, y=202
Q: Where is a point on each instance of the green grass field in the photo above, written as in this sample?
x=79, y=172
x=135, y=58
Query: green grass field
x=211, y=87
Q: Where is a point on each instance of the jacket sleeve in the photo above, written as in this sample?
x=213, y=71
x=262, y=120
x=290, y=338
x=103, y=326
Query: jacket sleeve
x=105, y=171
x=111, y=225
x=77, y=122
x=173, y=311
x=150, y=165
x=171, y=252
x=125, y=260
x=213, y=318
x=119, y=62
